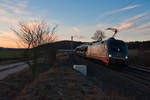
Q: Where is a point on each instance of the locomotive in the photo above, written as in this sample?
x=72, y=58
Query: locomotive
x=110, y=51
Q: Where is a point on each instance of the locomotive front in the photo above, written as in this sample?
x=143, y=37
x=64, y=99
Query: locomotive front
x=117, y=51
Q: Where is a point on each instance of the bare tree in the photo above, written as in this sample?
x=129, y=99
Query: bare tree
x=98, y=35
x=32, y=35
x=35, y=33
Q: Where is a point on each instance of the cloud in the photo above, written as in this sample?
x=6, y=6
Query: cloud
x=124, y=26
x=141, y=27
x=147, y=25
x=137, y=17
x=76, y=29
x=11, y=10
x=82, y=38
x=133, y=23
x=2, y=11
x=9, y=40
x=23, y=4
x=17, y=7
x=121, y=9
x=8, y=35
x=7, y=43
x=10, y=13
x=14, y=11
x=146, y=32
x=100, y=26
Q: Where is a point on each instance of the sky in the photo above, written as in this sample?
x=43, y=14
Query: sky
x=78, y=18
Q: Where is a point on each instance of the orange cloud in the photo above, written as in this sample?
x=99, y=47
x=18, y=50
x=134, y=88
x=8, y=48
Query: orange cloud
x=8, y=43
x=146, y=32
x=147, y=25
x=134, y=18
x=9, y=40
x=124, y=26
x=122, y=9
x=132, y=22
x=141, y=27
x=76, y=29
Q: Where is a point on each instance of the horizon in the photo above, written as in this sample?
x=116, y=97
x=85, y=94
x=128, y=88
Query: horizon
x=69, y=41
x=78, y=18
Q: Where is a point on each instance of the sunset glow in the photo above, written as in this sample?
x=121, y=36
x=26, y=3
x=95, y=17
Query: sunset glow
x=79, y=18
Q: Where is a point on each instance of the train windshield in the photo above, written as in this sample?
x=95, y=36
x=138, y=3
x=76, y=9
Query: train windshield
x=117, y=48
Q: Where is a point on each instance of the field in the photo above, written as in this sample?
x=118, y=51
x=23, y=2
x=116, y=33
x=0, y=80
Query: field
x=10, y=56
x=139, y=56
x=136, y=56
x=59, y=82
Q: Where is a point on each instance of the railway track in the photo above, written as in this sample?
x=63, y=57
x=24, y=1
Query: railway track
x=140, y=68
x=138, y=73
x=109, y=79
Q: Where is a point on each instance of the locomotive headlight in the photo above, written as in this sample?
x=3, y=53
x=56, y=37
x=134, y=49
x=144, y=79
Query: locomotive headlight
x=126, y=57
x=110, y=55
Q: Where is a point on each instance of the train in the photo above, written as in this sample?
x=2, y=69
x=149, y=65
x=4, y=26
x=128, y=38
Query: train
x=110, y=51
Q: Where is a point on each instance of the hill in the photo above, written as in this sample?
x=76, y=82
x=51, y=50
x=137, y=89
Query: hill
x=139, y=45
x=66, y=44
x=62, y=44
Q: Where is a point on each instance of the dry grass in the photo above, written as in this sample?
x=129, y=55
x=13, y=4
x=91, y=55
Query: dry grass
x=13, y=84
x=139, y=56
x=60, y=82
x=8, y=54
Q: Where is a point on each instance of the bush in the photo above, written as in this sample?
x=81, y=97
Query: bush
x=40, y=59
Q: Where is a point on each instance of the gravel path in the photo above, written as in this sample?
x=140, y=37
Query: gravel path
x=6, y=70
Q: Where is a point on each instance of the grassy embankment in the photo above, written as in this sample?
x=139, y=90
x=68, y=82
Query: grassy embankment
x=10, y=56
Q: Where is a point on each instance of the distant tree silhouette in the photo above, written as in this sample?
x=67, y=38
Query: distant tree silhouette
x=139, y=45
x=98, y=35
